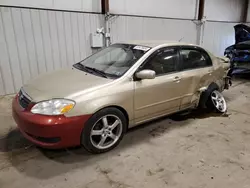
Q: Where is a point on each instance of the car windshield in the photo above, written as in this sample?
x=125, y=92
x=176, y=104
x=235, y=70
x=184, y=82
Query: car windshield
x=114, y=60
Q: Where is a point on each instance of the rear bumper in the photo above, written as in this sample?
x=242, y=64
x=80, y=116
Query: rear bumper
x=49, y=131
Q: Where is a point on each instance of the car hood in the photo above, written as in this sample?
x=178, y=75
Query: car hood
x=242, y=38
x=65, y=83
x=242, y=33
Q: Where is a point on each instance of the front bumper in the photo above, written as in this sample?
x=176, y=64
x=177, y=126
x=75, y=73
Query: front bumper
x=52, y=132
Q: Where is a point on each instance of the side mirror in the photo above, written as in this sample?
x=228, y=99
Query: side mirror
x=145, y=74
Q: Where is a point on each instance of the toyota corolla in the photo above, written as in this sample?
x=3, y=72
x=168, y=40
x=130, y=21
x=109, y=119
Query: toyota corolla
x=94, y=102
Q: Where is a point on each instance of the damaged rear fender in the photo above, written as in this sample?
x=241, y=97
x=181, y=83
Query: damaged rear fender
x=206, y=93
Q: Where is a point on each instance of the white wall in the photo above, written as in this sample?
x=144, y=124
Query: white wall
x=224, y=10
x=157, y=8
x=218, y=36
x=37, y=41
x=248, y=13
x=73, y=5
x=125, y=28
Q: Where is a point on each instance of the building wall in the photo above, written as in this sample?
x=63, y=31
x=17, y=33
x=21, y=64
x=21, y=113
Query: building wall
x=36, y=41
x=72, y=5
x=248, y=13
x=46, y=35
x=155, y=8
x=224, y=10
x=218, y=36
x=176, y=21
x=221, y=16
x=125, y=28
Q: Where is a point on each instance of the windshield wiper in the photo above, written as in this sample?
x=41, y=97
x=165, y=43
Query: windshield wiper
x=81, y=67
x=103, y=74
x=90, y=70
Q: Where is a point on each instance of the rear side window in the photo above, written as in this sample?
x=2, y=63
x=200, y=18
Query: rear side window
x=194, y=59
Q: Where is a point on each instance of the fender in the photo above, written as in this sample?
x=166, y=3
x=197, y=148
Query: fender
x=205, y=94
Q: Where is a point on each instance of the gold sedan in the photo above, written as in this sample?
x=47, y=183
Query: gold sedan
x=94, y=102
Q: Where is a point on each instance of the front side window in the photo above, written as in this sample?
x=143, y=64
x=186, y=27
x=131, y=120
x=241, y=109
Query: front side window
x=163, y=62
x=114, y=60
x=194, y=59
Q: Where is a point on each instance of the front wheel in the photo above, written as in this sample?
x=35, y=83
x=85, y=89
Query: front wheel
x=104, y=130
x=217, y=102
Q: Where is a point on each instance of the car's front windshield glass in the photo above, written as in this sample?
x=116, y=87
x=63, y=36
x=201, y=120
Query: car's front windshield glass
x=114, y=60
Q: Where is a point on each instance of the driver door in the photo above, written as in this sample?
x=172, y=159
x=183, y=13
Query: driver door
x=161, y=95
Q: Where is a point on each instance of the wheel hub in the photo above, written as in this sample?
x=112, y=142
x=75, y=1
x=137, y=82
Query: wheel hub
x=106, y=132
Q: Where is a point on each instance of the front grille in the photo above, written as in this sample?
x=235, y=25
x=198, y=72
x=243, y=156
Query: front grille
x=24, y=101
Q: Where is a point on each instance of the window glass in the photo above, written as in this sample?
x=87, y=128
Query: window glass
x=117, y=54
x=193, y=59
x=164, y=62
x=115, y=60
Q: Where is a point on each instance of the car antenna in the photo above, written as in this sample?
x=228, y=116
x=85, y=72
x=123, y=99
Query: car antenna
x=181, y=39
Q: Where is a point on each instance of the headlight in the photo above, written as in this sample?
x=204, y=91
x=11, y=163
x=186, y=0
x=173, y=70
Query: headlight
x=53, y=107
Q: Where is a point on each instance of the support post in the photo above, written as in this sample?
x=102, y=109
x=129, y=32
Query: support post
x=105, y=6
x=201, y=9
x=245, y=11
x=105, y=11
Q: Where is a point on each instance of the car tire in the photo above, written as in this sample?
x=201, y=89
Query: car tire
x=216, y=102
x=106, y=125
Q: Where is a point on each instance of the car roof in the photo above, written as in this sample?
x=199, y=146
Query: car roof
x=154, y=43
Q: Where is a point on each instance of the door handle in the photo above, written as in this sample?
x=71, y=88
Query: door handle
x=177, y=79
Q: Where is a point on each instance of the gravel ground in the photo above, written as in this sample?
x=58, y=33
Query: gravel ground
x=197, y=150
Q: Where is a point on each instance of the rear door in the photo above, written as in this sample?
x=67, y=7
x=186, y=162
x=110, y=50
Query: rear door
x=196, y=69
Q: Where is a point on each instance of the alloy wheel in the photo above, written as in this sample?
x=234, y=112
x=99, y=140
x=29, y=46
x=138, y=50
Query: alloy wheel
x=106, y=132
x=219, y=101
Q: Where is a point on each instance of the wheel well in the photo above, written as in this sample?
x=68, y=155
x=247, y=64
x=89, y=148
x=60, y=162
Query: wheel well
x=204, y=96
x=121, y=109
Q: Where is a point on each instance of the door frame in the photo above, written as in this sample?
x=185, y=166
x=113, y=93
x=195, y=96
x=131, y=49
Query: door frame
x=150, y=57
